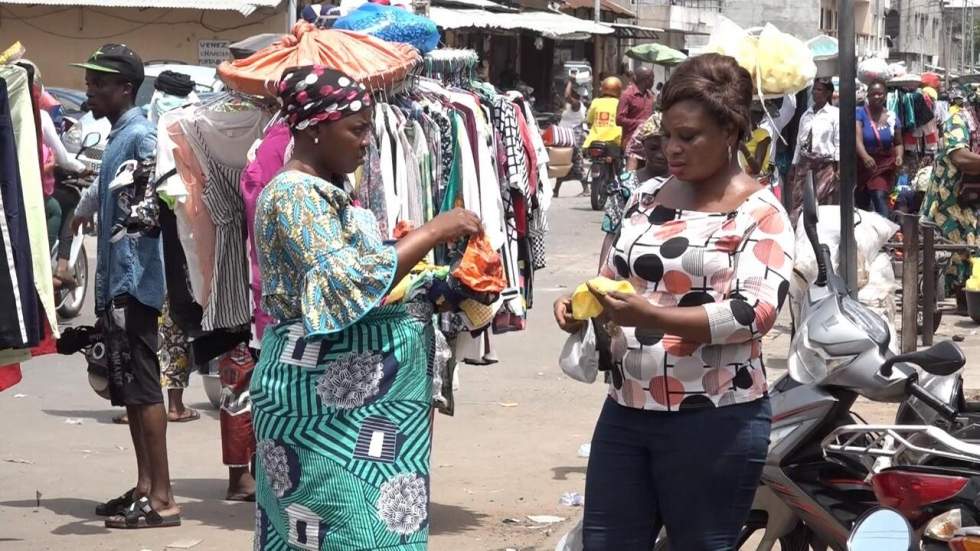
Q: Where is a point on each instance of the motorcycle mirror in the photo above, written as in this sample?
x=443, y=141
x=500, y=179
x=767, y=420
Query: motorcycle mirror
x=810, y=226
x=91, y=140
x=942, y=359
x=880, y=530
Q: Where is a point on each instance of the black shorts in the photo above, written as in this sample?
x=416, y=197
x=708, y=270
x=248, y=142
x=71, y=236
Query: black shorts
x=131, y=338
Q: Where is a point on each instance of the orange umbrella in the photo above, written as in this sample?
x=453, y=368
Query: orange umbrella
x=374, y=62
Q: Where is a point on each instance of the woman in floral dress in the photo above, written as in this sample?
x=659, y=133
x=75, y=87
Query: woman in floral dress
x=341, y=397
x=956, y=222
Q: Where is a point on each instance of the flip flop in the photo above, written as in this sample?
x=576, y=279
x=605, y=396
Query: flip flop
x=250, y=498
x=115, y=506
x=141, y=515
x=189, y=415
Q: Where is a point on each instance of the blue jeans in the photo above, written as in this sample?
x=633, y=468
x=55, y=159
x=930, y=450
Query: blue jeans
x=695, y=472
x=879, y=202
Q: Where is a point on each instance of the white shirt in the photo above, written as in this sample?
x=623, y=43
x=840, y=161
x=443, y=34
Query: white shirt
x=573, y=119
x=825, y=127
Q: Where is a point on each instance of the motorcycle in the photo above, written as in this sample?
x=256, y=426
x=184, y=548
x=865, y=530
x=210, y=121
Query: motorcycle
x=69, y=300
x=607, y=161
x=840, y=352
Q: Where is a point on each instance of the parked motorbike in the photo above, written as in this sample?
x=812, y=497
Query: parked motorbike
x=607, y=161
x=840, y=352
x=70, y=300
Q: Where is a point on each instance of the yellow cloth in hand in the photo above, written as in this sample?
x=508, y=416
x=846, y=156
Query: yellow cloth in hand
x=584, y=303
x=973, y=284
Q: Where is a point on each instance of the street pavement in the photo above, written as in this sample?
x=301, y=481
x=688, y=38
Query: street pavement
x=510, y=451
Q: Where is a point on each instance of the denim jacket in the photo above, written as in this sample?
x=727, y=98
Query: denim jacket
x=132, y=265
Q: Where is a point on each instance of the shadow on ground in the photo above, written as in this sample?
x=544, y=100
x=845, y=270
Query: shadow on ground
x=561, y=473
x=103, y=416
x=450, y=519
x=200, y=501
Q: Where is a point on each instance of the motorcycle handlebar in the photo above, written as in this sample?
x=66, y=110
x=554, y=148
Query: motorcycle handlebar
x=942, y=408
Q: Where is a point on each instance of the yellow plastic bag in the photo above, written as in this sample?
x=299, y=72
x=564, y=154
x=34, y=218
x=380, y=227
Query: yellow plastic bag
x=973, y=284
x=785, y=63
x=584, y=303
x=728, y=38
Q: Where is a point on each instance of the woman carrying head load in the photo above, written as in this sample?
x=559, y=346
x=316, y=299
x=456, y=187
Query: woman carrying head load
x=341, y=397
x=683, y=435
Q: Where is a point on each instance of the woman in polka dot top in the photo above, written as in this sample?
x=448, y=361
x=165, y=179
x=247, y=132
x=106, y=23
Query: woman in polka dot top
x=683, y=436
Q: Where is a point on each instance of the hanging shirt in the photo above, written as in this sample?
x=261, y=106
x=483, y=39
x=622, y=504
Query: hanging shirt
x=602, y=122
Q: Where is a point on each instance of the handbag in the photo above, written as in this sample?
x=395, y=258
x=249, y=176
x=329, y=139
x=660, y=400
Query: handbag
x=579, y=357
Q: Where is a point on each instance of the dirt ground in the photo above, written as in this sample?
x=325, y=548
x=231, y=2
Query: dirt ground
x=510, y=451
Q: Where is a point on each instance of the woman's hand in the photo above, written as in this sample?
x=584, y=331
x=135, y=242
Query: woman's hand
x=457, y=223
x=563, y=315
x=869, y=162
x=625, y=310
x=899, y=160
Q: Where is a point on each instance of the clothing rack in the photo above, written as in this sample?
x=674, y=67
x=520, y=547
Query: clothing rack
x=451, y=65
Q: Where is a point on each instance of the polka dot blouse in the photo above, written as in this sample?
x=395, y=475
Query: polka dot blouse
x=735, y=265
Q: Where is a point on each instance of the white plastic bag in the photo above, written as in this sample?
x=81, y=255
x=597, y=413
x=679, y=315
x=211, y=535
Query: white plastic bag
x=784, y=63
x=873, y=69
x=579, y=356
x=728, y=38
x=572, y=541
x=871, y=232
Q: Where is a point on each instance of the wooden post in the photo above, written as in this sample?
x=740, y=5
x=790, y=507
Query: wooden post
x=910, y=282
x=928, y=284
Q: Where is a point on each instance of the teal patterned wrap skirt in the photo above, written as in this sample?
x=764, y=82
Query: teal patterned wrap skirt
x=343, y=431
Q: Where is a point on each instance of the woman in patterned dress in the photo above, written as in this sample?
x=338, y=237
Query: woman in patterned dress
x=957, y=223
x=683, y=435
x=341, y=397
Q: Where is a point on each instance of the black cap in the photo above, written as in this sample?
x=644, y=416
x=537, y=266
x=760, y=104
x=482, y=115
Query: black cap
x=115, y=59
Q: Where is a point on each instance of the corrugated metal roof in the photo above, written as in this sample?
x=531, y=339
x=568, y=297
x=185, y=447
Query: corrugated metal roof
x=605, y=5
x=245, y=8
x=479, y=4
x=549, y=24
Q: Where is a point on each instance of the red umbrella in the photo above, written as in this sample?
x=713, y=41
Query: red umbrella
x=374, y=62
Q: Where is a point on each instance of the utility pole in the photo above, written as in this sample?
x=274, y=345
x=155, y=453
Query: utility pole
x=848, y=140
x=598, y=11
x=962, y=36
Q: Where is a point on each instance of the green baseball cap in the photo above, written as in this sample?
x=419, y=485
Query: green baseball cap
x=115, y=59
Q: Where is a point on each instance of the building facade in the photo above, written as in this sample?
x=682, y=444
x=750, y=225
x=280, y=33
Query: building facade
x=917, y=34
x=56, y=35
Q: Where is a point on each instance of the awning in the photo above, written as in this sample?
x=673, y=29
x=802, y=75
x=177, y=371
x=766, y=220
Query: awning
x=549, y=24
x=243, y=7
x=604, y=5
x=478, y=4
x=635, y=31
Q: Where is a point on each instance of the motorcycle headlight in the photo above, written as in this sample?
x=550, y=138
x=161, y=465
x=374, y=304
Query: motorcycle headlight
x=867, y=320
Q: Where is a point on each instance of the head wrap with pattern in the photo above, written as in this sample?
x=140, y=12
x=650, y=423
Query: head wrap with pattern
x=313, y=94
x=649, y=128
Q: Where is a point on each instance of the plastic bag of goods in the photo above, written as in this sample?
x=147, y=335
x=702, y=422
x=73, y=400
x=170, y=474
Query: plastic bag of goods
x=730, y=39
x=873, y=69
x=393, y=25
x=784, y=62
